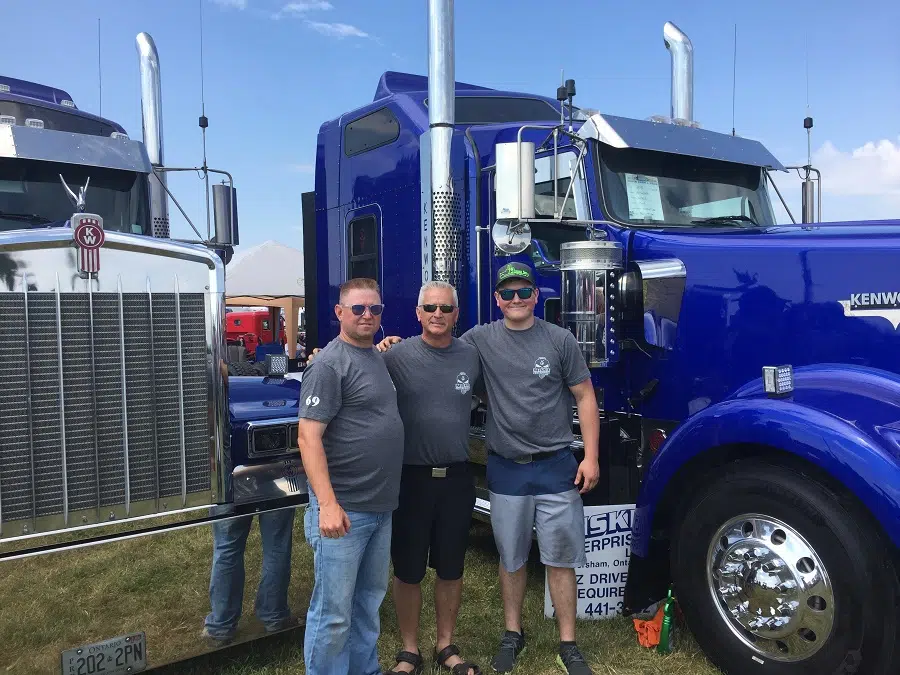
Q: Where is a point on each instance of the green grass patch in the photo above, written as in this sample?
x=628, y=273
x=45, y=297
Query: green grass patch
x=159, y=585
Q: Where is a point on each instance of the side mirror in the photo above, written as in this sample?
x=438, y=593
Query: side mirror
x=225, y=214
x=515, y=181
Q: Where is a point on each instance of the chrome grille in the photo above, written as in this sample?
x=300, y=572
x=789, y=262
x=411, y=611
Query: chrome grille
x=105, y=403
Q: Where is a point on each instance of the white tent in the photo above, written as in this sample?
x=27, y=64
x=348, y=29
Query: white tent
x=269, y=275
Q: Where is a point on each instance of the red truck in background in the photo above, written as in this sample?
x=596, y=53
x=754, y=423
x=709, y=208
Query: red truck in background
x=252, y=328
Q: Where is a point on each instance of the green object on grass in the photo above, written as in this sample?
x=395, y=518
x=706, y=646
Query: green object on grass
x=665, y=632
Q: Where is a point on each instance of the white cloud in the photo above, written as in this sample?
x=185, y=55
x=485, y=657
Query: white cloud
x=301, y=7
x=234, y=4
x=859, y=184
x=337, y=30
x=304, y=6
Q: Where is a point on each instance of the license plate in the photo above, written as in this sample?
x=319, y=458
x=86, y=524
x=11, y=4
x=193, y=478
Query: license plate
x=116, y=656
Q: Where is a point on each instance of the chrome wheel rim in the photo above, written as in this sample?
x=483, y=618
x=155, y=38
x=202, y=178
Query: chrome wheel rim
x=770, y=587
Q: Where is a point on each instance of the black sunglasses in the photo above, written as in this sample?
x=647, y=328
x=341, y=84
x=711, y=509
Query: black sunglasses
x=446, y=309
x=509, y=293
x=359, y=310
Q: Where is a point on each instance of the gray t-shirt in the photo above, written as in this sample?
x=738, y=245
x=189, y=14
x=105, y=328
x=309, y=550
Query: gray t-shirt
x=527, y=375
x=349, y=388
x=434, y=394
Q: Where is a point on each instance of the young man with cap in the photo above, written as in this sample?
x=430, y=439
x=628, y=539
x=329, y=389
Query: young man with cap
x=533, y=370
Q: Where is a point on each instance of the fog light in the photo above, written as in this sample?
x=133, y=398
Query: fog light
x=778, y=380
x=276, y=364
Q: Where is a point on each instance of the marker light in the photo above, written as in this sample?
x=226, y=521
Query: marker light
x=8, y=119
x=67, y=103
x=778, y=380
x=34, y=123
x=4, y=88
x=117, y=134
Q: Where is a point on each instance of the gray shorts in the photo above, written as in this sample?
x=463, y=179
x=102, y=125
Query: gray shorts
x=558, y=519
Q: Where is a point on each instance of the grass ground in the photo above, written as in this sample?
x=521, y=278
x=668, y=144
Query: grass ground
x=159, y=585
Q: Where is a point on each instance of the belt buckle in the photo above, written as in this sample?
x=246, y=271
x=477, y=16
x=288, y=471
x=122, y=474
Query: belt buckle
x=527, y=459
x=439, y=472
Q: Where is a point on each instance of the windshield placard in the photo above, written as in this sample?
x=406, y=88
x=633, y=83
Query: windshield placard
x=644, y=201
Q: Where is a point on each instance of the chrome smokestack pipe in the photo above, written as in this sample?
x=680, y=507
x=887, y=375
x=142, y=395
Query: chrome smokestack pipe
x=679, y=45
x=446, y=211
x=441, y=90
x=151, y=114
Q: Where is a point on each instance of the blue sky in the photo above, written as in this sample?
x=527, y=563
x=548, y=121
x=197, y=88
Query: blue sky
x=275, y=70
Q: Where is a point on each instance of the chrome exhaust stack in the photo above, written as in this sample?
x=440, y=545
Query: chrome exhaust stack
x=151, y=115
x=682, y=51
x=442, y=237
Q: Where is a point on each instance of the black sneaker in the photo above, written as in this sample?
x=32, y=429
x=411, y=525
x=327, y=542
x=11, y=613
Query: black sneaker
x=511, y=645
x=571, y=661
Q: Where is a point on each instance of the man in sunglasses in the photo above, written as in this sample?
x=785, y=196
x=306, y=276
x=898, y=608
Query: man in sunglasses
x=533, y=371
x=351, y=442
x=435, y=374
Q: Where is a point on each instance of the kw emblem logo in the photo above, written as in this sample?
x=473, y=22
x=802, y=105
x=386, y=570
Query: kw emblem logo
x=89, y=237
x=884, y=305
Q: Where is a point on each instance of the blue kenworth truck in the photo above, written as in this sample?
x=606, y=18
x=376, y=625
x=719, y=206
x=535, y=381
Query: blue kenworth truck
x=748, y=373
x=122, y=415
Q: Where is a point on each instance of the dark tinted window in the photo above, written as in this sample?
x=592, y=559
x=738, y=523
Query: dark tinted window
x=55, y=119
x=499, y=109
x=363, y=234
x=375, y=129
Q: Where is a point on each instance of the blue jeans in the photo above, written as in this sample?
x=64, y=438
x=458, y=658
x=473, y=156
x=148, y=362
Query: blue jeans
x=351, y=578
x=226, y=584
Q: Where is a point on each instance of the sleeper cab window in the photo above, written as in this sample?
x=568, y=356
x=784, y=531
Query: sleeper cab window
x=363, y=236
x=372, y=131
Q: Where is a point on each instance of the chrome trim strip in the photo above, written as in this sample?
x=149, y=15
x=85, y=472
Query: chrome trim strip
x=90, y=294
x=135, y=535
x=181, y=392
x=271, y=423
x=124, y=401
x=28, y=405
x=62, y=404
x=153, y=389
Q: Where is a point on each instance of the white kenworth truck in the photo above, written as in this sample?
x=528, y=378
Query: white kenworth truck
x=114, y=414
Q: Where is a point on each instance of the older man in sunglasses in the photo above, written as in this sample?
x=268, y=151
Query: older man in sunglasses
x=351, y=443
x=434, y=373
x=533, y=370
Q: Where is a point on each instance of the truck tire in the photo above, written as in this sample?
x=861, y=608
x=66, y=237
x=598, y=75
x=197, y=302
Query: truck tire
x=776, y=574
x=245, y=368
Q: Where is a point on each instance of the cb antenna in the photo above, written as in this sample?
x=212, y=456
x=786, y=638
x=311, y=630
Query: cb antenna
x=204, y=122
x=99, y=69
x=734, y=80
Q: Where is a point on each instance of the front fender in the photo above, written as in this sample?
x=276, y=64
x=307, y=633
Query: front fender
x=843, y=419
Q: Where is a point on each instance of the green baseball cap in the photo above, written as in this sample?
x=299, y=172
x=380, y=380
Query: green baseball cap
x=514, y=270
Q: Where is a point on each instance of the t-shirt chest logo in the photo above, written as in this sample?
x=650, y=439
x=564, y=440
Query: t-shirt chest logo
x=462, y=383
x=541, y=367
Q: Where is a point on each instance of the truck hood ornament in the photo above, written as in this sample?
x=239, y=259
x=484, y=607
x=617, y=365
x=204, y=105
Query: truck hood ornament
x=884, y=305
x=78, y=200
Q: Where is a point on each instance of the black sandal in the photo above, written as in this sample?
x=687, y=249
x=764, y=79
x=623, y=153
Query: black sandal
x=460, y=668
x=415, y=660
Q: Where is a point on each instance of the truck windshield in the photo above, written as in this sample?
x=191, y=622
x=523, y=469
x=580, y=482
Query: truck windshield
x=32, y=195
x=644, y=187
